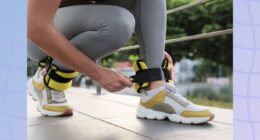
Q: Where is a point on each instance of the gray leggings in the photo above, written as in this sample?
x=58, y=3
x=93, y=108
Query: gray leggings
x=99, y=30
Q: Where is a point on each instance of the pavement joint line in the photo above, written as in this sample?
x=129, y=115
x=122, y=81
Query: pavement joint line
x=230, y=124
x=31, y=125
x=115, y=125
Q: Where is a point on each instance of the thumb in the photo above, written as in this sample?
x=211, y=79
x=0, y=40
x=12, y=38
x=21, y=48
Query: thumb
x=126, y=81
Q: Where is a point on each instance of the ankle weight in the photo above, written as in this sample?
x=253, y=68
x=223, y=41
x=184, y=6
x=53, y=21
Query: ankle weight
x=144, y=75
x=57, y=79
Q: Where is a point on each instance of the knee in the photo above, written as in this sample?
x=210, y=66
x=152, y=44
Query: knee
x=122, y=26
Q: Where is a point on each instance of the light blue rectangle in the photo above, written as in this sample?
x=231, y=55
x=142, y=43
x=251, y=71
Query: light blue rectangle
x=13, y=70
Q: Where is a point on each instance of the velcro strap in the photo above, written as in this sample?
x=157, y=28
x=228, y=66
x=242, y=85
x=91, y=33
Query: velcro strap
x=45, y=62
x=148, y=75
x=42, y=64
x=166, y=74
x=59, y=80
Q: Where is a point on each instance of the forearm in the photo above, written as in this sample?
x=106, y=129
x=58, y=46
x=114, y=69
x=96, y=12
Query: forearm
x=44, y=34
x=50, y=40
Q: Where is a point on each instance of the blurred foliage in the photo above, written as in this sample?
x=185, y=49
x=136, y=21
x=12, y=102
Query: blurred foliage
x=211, y=69
x=213, y=16
x=209, y=97
x=214, y=103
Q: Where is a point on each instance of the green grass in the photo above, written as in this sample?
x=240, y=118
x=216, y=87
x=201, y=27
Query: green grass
x=213, y=103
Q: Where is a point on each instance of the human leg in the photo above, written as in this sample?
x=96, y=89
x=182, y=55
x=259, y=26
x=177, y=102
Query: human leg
x=96, y=30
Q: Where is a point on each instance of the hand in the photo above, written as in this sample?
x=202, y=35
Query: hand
x=169, y=58
x=113, y=81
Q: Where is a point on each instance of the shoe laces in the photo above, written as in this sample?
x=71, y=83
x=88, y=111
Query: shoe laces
x=58, y=96
x=170, y=88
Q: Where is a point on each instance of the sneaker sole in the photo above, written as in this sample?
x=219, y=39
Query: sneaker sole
x=43, y=112
x=144, y=113
x=39, y=108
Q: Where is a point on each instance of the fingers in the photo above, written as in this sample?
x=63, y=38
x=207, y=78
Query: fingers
x=171, y=71
x=115, y=87
x=126, y=81
x=119, y=84
x=115, y=81
x=168, y=57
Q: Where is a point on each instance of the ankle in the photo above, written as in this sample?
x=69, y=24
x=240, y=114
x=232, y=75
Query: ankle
x=155, y=84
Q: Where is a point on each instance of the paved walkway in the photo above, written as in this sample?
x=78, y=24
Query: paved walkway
x=112, y=117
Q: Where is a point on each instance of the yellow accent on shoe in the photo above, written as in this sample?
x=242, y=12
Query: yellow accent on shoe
x=204, y=113
x=64, y=108
x=158, y=98
x=38, y=85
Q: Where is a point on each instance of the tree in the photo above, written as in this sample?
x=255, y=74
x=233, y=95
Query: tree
x=213, y=16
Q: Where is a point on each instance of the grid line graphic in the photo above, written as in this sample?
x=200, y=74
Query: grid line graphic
x=246, y=54
x=13, y=70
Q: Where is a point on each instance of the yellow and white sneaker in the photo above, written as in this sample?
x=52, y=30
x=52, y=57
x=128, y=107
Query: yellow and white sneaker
x=166, y=102
x=50, y=102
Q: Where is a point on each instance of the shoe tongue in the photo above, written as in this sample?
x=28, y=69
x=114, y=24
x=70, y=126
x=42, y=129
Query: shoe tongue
x=169, y=86
x=155, y=90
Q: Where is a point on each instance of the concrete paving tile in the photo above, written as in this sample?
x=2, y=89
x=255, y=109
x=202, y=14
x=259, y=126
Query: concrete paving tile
x=35, y=118
x=226, y=134
x=88, y=101
x=114, y=97
x=83, y=130
x=118, y=111
x=165, y=128
x=222, y=115
x=79, y=94
x=112, y=117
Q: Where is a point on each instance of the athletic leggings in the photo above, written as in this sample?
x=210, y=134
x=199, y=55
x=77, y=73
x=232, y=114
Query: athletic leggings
x=100, y=29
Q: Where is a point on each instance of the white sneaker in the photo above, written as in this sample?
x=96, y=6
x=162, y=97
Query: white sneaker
x=50, y=102
x=166, y=102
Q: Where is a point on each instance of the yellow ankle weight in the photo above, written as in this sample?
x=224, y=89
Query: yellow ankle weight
x=138, y=66
x=167, y=70
x=145, y=75
x=59, y=79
